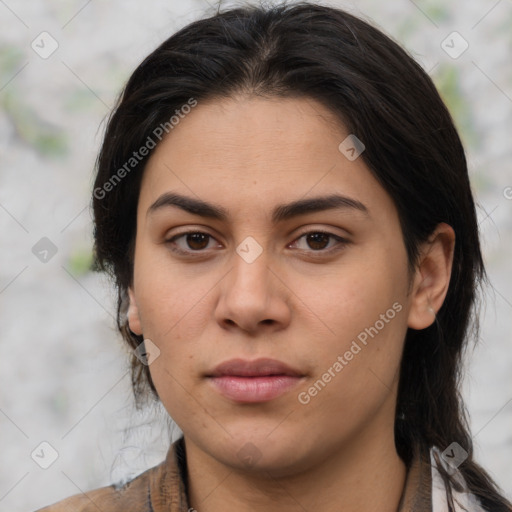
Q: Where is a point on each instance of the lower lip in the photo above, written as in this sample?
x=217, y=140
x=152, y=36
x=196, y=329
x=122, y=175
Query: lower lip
x=254, y=389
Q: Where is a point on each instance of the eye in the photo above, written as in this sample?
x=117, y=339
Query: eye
x=319, y=240
x=198, y=241
x=195, y=241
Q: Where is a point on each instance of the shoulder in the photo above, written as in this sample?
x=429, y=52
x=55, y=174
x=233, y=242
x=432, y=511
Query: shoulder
x=134, y=496
x=161, y=488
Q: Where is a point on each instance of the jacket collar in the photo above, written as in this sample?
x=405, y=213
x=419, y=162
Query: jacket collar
x=168, y=486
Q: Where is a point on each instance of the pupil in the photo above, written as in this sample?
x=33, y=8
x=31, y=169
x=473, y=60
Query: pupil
x=315, y=237
x=197, y=238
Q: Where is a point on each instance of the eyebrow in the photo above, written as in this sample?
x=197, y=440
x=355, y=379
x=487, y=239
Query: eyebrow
x=280, y=213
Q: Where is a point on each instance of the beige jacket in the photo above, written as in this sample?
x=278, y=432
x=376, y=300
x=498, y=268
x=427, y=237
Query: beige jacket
x=163, y=489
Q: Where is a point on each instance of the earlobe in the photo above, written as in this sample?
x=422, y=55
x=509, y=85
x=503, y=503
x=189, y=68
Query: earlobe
x=432, y=277
x=133, y=314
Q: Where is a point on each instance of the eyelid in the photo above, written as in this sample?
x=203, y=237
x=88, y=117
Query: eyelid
x=341, y=241
x=170, y=240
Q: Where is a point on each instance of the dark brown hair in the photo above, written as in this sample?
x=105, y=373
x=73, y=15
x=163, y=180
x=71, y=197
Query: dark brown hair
x=412, y=148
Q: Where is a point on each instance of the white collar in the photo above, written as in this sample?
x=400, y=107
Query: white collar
x=463, y=501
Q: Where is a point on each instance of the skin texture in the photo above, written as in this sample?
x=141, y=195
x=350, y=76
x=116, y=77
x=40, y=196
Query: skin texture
x=300, y=302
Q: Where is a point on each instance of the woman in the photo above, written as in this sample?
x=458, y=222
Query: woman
x=283, y=202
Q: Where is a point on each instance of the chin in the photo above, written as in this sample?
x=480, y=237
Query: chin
x=257, y=452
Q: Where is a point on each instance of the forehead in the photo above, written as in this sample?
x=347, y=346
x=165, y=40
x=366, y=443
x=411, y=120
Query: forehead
x=240, y=135
x=251, y=151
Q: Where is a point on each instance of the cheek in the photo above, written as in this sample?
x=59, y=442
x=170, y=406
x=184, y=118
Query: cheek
x=178, y=394
x=176, y=332
x=174, y=322
x=172, y=310
x=356, y=371
x=352, y=297
x=169, y=296
x=362, y=318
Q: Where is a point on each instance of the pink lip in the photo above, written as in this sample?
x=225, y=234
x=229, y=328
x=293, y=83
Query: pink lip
x=253, y=381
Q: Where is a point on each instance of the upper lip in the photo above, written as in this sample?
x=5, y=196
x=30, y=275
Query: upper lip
x=257, y=368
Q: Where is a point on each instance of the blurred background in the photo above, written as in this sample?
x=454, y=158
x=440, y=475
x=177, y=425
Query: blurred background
x=65, y=396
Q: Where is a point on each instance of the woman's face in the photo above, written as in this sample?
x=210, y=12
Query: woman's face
x=261, y=282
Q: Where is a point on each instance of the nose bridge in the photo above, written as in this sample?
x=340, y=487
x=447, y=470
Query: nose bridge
x=249, y=296
x=250, y=273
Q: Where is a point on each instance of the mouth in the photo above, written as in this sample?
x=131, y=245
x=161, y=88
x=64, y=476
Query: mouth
x=255, y=381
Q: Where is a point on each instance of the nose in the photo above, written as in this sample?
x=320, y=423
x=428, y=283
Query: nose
x=253, y=297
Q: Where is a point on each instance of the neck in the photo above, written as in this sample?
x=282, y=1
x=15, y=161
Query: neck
x=365, y=474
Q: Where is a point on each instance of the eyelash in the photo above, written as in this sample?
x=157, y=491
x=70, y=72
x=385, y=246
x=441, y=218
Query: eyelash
x=342, y=242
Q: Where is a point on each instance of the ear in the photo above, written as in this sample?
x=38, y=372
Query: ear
x=133, y=314
x=432, y=277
